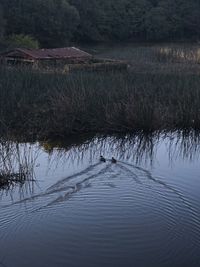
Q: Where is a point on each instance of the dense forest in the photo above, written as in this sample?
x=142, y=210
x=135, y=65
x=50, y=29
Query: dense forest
x=51, y=23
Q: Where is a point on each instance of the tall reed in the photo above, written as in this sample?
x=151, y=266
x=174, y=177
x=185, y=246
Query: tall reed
x=48, y=105
x=17, y=163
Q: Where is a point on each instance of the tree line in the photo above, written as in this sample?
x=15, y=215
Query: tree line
x=57, y=22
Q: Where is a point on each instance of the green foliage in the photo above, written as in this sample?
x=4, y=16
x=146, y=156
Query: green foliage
x=52, y=22
x=137, y=19
x=57, y=22
x=2, y=23
x=93, y=20
x=107, y=20
x=22, y=41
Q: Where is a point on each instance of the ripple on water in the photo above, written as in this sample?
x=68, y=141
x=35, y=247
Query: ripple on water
x=138, y=215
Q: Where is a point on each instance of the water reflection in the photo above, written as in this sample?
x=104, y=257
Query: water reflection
x=131, y=153
x=17, y=163
x=139, y=148
x=81, y=202
x=184, y=145
x=18, y=160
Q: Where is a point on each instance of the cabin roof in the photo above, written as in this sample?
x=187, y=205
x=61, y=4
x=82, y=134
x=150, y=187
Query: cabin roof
x=56, y=53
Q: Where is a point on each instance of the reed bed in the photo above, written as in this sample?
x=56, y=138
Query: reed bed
x=144, y=53
x=58, y=105
x=167, y=58
x=16, y=163
x=155, y=94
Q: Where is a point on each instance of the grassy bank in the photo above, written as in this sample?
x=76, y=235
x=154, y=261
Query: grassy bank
x=58, y=105
x=160, y=91
x=154, y=58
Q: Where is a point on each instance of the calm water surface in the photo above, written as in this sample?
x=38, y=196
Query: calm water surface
x=143, y=211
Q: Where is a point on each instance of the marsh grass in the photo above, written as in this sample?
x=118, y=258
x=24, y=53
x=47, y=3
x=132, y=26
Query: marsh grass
x=155, y=94
x=180, y=55
x=16, y=164
x=159, y=58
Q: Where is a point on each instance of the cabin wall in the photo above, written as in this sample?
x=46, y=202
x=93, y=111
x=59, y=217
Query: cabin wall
x=60, y=63
x=67, y=65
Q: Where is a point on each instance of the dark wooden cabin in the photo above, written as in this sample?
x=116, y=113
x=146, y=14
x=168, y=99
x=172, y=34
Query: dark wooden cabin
x=58, y=59
x=49, y=56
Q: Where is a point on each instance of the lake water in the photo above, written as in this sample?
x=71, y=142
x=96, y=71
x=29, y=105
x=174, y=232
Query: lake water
x=142, y=211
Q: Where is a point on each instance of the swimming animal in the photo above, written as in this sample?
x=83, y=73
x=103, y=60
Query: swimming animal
x=113, y=160
x=102, y=159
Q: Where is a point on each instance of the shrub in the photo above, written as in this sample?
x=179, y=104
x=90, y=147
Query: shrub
x=22, y=41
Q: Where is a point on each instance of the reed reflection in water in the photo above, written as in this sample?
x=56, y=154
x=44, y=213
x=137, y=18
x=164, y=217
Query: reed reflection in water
x=139, y=148
x=17, y=163
x=143, y=210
